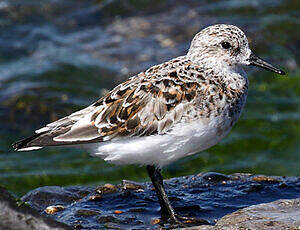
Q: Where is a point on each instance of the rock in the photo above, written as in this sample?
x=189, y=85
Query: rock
x=95, y=197
x=54, y=209
x=16, y=216
x=132, y=185
x=210, y=196
x=214, y=177
x=43, y=197
x=279, y=215
x=107, y=188
x=270, y=179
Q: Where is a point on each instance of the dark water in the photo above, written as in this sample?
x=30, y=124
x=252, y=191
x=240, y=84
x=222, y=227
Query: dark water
x=59, y=56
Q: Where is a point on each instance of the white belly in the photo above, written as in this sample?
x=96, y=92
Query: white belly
x=184, y=139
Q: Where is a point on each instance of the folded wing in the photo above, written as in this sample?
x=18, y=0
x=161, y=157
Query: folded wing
x=136, y=107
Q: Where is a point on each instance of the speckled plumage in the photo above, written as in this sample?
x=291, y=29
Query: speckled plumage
x=169, y=111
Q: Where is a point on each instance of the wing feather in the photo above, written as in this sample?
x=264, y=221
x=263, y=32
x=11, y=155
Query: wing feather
x=143, y=105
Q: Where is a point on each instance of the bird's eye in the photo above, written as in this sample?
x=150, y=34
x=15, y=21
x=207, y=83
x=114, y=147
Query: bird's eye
x=226, y=45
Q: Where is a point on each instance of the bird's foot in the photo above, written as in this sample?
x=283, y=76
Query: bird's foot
x=182, y=221
x=191, y=220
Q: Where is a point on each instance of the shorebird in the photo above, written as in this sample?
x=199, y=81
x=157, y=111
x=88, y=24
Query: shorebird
x=169, y=111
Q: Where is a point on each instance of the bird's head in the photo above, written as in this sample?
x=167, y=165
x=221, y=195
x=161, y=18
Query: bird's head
x=225, y=46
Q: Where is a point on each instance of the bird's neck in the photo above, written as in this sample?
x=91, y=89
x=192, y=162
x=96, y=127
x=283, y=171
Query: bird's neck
x=219, y=67
x=232, y=76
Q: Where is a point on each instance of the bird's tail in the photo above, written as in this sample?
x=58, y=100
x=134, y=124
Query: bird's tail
x=71, y=130
x=47, y=138
x=36, y=141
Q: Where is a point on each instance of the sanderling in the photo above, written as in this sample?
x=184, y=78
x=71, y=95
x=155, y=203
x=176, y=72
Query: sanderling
x=169, y=111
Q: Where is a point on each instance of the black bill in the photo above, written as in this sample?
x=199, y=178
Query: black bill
x=256, y=61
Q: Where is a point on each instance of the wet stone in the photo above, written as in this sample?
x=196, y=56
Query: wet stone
x=43, y=197
x=54, y=209
x=263, y=178
x=15, y=215
x=279, y=215
x=191, y=196
x=126, y=184
x=95, y=197
x=107, y=188
x=214, y=177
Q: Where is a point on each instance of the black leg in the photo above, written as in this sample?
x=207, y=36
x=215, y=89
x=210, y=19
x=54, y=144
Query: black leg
x=167, y=212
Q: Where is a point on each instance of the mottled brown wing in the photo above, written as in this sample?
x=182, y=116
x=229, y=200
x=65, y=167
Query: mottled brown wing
x=146, y=104
x=140, y=108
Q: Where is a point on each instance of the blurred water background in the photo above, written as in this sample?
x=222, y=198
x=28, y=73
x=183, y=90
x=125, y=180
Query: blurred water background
x=57, y=56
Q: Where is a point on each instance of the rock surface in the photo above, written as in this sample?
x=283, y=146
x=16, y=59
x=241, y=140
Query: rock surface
x=211, y=196
x=280, y=214
x=14, y=216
